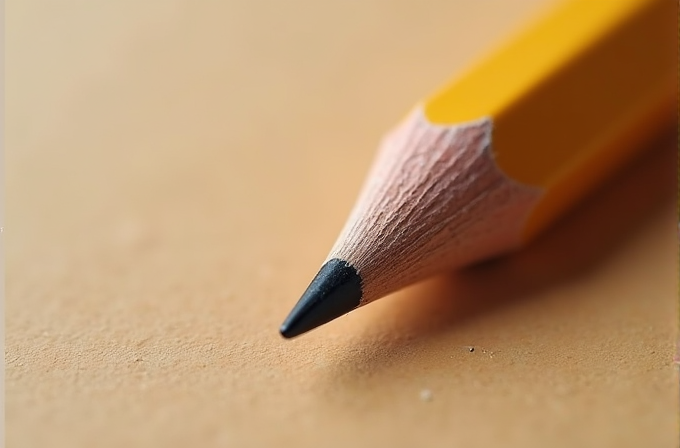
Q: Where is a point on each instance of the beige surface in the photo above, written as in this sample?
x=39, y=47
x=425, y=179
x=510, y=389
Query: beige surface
x=167, y=202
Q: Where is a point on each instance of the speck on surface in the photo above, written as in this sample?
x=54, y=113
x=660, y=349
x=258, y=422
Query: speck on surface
x=426, y=395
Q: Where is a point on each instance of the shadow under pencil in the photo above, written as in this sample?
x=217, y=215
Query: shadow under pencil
x=578, y=243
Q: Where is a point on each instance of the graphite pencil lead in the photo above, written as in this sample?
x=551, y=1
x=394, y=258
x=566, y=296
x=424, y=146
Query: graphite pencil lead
x=336, y=290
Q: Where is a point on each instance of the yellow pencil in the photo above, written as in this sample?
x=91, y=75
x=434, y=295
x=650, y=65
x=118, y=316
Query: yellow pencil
x=491, y=160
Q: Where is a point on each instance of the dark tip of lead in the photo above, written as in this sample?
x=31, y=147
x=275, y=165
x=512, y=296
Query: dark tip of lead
x=336, y=290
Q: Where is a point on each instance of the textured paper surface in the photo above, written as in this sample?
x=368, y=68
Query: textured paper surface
x=169, y=198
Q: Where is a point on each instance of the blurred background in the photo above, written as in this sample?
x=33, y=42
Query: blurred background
x=177, y=171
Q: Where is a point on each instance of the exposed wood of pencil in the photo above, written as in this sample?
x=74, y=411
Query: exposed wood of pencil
x=435, y=199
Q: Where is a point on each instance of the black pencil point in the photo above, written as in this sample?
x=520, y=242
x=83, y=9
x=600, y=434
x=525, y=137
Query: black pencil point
x=336, y=290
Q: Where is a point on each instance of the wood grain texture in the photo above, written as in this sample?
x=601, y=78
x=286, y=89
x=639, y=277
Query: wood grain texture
x=161, y=158
x=435, y=200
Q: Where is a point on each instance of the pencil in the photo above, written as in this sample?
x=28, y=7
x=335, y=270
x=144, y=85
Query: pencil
x=491, y=160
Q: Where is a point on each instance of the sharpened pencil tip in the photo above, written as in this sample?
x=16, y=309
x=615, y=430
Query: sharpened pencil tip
x=336, y=290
